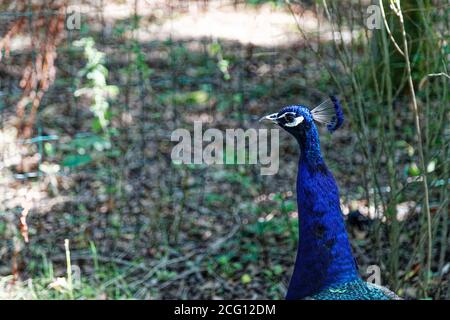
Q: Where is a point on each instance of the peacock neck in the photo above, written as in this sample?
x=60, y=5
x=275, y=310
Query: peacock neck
x=324, y=255
x=309, y=143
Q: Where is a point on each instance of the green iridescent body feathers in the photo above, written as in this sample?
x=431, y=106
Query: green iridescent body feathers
x=355, y=290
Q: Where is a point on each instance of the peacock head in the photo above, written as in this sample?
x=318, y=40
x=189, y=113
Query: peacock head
x=299, y=120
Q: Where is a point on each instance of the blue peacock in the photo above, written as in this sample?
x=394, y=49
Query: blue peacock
x=325, y=268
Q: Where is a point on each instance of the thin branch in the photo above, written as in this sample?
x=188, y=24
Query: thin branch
x=398, y=11
x=389, y=30
x=432, y=75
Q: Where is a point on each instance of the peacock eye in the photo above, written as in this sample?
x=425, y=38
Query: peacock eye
x=289, y=117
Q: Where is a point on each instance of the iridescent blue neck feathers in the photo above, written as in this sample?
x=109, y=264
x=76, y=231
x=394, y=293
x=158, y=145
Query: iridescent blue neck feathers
x=324, y=255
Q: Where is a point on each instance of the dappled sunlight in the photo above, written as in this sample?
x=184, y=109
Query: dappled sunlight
x=263, y=26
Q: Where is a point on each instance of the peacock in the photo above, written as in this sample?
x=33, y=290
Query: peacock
x=325, y=268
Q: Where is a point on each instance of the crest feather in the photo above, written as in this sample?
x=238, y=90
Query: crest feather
x=329, y=112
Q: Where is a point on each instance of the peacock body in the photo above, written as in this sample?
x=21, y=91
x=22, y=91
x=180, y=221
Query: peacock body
x=354, y=290
x=325, y=267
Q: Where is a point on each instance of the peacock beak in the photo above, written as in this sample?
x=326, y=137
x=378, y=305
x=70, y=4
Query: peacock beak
x=271, y=117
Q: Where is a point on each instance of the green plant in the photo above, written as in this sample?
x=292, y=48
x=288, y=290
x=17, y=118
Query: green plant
x=95, y=86
x=215, y=50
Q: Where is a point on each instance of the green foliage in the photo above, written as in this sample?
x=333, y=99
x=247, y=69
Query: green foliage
x=246, y=279
x=164, y=275
x=95, y=87
x=105, y=283
x=197, y=97
x=215, y=50
x=84, y=148
x=275, y=3
x=76, y=160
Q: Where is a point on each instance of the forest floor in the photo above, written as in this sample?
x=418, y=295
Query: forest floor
x=138, y=225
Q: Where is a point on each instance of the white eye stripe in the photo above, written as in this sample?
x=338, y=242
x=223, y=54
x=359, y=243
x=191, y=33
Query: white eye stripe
x=292, y=122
